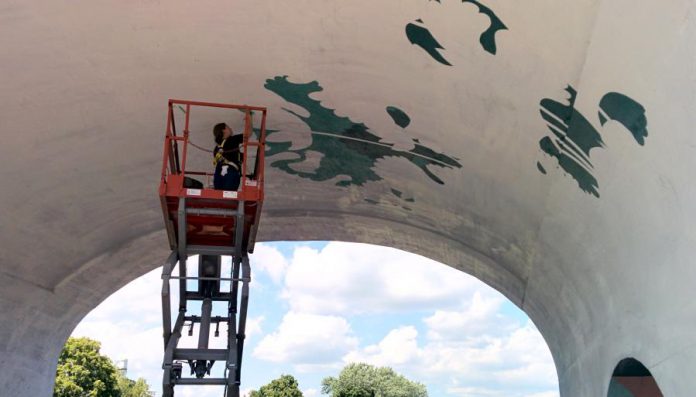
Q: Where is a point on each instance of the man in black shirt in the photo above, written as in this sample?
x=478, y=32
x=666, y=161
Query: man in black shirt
x=227, y=158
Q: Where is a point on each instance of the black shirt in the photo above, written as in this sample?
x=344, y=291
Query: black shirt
x=230, y=149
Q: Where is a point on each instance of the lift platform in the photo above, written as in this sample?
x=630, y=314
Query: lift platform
x=211, y=224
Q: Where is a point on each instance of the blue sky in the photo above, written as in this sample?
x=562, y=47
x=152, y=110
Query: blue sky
x=316, y=306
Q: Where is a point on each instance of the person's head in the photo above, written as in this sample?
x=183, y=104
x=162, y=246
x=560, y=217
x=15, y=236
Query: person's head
x=221, y=131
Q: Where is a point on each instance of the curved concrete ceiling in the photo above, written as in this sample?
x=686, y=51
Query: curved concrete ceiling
x=545, y=147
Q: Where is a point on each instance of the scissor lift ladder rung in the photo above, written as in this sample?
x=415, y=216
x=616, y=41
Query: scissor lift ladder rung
x=202, y=359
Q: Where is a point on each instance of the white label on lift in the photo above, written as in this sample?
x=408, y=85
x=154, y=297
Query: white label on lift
x=229, y=194
x=249, y=182
x=193, y=192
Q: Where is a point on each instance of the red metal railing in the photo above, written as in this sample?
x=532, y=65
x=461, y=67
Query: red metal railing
x=174, y=163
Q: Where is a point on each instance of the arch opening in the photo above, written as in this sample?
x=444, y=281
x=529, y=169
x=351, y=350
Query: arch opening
x=431, y=310
x=632, y=379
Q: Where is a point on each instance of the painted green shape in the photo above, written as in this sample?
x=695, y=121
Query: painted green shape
x=541, y=168
x=422, y=37
x=568, y=124
x=616, y=389
x=399, y=194
x=626, y=111
x=348, y=147
x=487, y=38
x=399, y=116
x=574, y=137
x=584, y=178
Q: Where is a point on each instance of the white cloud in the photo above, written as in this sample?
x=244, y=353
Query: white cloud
x=348, y=278
x=484, y=392
x=480, y=316
x=253, y=327
x=269, y=260
x=475, y=392
x=486, y=365
x=468, y=338
x=527, y=348
x=198, y=391
x=467, y=344
x=551, y=393
x=129, y=326
x=519, y=360
x=398, y=348
x=307, y=339
x=311, y=392
x=134, y=301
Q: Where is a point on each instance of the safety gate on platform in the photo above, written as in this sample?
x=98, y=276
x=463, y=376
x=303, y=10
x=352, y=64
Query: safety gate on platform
x=219, y=229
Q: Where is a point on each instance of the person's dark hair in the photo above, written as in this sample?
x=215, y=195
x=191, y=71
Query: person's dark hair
x=218, y=132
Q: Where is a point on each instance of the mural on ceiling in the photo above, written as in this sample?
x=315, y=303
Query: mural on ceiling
x=398, y=199
x=399, y=116
x=421, y=36
x=349, y=149
x=574, y=136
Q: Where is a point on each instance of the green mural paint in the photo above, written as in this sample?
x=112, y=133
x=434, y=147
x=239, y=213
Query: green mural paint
x=573, y=126
x=541, y=168
x=422, y=37
x=399, y=116
x=349, y=148
x=399, y=194
x=377, y=202
x=573, y=136
x=629, y=113
x=487, y=38
x=585, y=180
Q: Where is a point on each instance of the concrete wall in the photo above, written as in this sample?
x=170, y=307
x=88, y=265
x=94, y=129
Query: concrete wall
x=600, y=256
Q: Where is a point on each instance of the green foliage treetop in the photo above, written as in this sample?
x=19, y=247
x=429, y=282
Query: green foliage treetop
x=285, y=386
x=84, y=372
x=364, y=380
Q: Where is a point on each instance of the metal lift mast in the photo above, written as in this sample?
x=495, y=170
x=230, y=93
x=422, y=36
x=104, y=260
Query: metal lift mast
x=211, y=224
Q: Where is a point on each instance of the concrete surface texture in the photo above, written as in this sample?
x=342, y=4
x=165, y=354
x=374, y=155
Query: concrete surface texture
x=545, y=147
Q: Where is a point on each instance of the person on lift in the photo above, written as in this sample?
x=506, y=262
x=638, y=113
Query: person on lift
x=227, y=158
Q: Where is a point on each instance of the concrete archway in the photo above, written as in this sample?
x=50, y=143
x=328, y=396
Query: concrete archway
x=459, y=155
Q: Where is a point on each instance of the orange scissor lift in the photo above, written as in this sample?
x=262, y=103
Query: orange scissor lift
x=211, y=224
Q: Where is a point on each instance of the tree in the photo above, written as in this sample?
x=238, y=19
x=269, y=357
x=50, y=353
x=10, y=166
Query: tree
x=83, y=372
x=285, y=386
x=363, y=380
x=131, y=388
